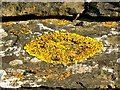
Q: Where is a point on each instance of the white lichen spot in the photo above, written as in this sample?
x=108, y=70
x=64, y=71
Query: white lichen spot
x=113, y=29
x=16, y=62
x=45, y=32
x=111, y=49
x=2, y=74
x=3, y=33
x=9, y=54
x=2, y=53
x=56, y=30
x=22, y=52
x=37, y=33
x=17, y=51
x=107, y=69
x=62, y=30
x=34, y=85
x=81, y=68
x=106, y=42
x=23, y=22
x=70, y=25
x=104, y=49
x=13, y=50
x=9, y=49
x=35, y=60
x=27, y=58
x=1, y=43
x=20, y=70
x=98, y=38
x=104, y=36
x=41, y=26
x=118, y=60
x=114, y=32
x=10, y=83
x=8, y=43
x=110, y=70
x=39, y=80
x=51, y=23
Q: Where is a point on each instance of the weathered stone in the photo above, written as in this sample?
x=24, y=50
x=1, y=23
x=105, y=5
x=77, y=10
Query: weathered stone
x=35, y=60
x=16, y=62
x=41, y=9
x=2, y=74
x=118, y=60
x=105, y=9
x=8, y=43
x=2, y=33
x=102, y=70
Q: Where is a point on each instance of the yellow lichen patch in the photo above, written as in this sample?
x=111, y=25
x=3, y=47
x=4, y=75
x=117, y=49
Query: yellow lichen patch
x=64, y=75
x=18, y=75
x=56, y=21
x=63, y=47
x=109, y=24
x=23, y=30
x=8, y=23
x=12, y=31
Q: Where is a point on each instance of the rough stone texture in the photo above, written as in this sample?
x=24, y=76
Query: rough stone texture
x=111, y=9
x=100, y=71
x=41, y=9
x=2, y=33
x=15, y=62
x=107, y=9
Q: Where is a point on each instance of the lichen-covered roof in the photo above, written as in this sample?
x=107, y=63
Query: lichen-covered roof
x=63, y=47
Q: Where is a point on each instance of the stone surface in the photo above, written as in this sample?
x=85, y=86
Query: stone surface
x=41, y=8
x=99, y=71
x=2, y=74
x=106, y=9
x=35, y=60
x=16, y=62
x=2, y=33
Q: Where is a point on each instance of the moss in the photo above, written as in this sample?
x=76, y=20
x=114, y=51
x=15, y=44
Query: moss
x=63, y=47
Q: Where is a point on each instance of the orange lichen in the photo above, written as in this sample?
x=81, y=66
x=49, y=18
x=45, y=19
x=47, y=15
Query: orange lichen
x=109, y=24
x=64, y=75
x=18, y=75
x=8, y=23
x=56, y=21
x=63, y=47
x=23, y=30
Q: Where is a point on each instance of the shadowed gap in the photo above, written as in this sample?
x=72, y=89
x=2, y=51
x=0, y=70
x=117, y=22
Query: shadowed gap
x=82, y=17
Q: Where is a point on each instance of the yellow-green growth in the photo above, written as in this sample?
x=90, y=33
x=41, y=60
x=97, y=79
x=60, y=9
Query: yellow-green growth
x=63, y=47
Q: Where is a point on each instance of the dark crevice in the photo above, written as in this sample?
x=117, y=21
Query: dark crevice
x=98, y=18
x=83, y=17
x=32, y=17
x=49, y=88
x=86, y=17
x=85, y=88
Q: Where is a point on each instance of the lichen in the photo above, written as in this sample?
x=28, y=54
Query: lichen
x=8, y=23
x=64, y=75
x=63, y=47
x=24, y=30
x=56, y=21
x=109, y=24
